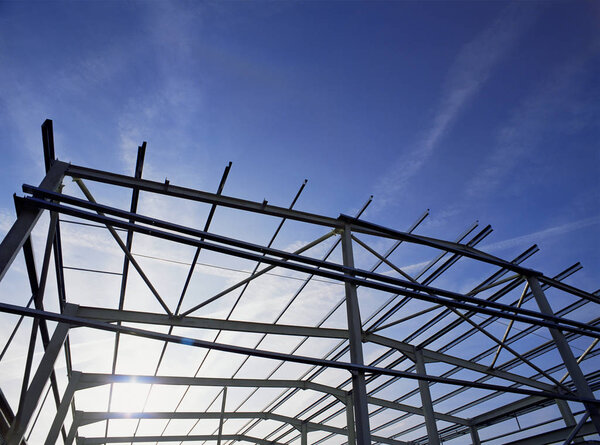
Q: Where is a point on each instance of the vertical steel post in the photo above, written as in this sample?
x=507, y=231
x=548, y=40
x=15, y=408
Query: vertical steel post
x=304, y=433
x=566, y=412
x=34, y=393
x=474, y=435
x=73, y=429
x=430, y=425
x=583, y=389
x=59, y=419
x=359, y=387
x=223, y=402
x=567, y=416
x=350, y=420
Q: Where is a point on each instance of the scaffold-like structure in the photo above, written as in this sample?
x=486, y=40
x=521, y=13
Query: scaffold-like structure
x=393, y=358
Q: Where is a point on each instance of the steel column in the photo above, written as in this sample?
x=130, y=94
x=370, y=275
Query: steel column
x=59, y=418
x=350, y=420
x=583, y=389
x=223, y=402
x=474, y=435
x=74, y=426
x=359, y=387
x=432, y=432
x=304, y=433
x=34, y=393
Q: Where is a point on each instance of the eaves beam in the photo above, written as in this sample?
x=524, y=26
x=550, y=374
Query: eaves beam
x=312, y=266
x=85, y=418
x=351, y=367
x=113, y=315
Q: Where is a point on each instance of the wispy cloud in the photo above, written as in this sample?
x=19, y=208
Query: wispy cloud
x=471, y=69
x=537, y=237
x=521, y=135
x=6, y=221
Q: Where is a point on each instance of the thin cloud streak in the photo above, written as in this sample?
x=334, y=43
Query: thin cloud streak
x=471, y=69
x=541, y=235
x=522, y=135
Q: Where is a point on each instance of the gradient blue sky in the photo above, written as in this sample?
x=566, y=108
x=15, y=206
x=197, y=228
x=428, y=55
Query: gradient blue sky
x=484, y=111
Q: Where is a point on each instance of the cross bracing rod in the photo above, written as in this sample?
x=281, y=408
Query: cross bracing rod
x=435, y=274
x=77, y=321
x=438, y=334
x=255, y=274
x=299, y=263
x=127, y=251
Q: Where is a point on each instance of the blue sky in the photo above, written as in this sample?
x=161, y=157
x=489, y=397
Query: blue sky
x=477, y=110
x=485, y=111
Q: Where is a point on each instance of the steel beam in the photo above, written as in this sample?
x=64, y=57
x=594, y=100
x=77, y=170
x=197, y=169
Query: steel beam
x=112, y=315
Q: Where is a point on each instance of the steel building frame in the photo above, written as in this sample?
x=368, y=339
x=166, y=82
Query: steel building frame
x=355, y=398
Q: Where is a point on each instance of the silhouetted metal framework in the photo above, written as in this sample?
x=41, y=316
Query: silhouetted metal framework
x=473, y=393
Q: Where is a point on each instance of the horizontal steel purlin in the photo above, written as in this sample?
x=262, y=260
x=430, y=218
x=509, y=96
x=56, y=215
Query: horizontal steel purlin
x=449, y=298
x=91, y=417
x=87, y=380
x=77, y=321
x=113, y=315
